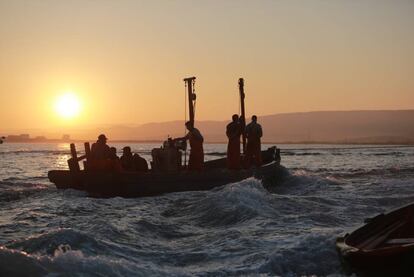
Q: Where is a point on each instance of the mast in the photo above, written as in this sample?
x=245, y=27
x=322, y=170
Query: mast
x=243, y=114
x=191, y=96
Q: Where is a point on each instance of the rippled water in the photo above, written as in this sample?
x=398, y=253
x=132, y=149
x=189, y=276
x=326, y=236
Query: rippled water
x=237, y=229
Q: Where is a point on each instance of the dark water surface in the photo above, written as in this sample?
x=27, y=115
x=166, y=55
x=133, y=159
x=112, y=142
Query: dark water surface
x=237, y=229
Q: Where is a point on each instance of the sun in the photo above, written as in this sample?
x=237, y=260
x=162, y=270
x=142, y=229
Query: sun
x=67, y=105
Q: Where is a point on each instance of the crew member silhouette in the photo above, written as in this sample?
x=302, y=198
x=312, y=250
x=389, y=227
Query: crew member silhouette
x=127, y=162
x=196, y=140
x=100, y=155
x=253, y=152
x=115, y=163
x=233, y=132
x=100, y=150
x=140, y=164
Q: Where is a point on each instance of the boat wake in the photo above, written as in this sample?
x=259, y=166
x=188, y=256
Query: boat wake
x=229, y=205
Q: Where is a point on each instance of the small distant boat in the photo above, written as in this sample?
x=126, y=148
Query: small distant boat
x=385, y=245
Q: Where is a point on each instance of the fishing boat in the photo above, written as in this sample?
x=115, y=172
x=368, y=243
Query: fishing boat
x=385, y=245
x=136, y=184
x=168, y=173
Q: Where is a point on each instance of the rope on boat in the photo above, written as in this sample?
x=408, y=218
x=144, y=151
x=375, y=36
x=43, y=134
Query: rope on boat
x=194, y=98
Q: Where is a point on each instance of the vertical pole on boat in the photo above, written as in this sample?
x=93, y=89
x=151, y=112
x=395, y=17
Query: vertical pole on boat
x=87, y=150
x=243, y=113
x=191, y=96
x=189, y=82
x=73, y=162
x=87, y=155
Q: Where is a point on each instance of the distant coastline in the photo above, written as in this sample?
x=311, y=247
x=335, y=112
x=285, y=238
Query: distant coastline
x=404, y=143
x=392, y=127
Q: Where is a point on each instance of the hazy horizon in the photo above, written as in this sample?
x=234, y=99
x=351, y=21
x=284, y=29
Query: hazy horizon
x=380, y=126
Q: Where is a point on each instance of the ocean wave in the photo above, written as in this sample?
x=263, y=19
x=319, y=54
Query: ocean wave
x=345, y=173
x=305, y=182
x=316, y=253
x=48, y=243
x=228, y=205
x=15, y=178
x=287, y=229
x=66, y=250
x=18, y=263
x=391, y=171
x=12, y=191
x=66, y=261
x=160, y=230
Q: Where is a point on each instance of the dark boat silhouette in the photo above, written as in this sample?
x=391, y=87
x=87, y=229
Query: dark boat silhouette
x=138, y=184
x=167, y=173
x=384, y=246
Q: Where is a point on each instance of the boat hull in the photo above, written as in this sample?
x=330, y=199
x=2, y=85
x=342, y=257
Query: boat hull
x=133, y=184
x=385, y=245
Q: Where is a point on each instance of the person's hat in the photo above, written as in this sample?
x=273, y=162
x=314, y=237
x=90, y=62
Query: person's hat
x=102, y=137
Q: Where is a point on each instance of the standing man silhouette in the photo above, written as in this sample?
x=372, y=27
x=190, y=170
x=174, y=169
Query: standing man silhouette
x=196, y=160
x=253, y=150
x=233, y=132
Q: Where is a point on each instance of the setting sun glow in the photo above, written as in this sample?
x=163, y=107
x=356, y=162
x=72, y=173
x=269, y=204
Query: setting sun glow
x=67, y=105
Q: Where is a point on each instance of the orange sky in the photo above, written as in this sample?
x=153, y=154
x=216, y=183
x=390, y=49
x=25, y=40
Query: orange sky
x=126, y=59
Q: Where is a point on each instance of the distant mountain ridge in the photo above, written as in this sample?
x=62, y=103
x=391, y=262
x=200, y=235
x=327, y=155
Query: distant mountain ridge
x=365, y=126
x=320, y=126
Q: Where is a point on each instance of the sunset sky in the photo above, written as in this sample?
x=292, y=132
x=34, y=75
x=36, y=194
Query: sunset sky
x=125, y=60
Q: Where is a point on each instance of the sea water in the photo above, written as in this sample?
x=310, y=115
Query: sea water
x=238, y=229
